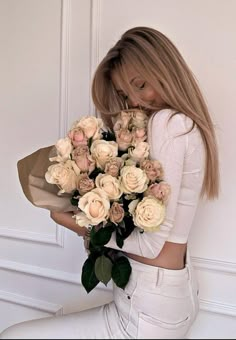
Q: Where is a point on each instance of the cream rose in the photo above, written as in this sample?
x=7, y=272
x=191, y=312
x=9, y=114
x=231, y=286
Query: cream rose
x=96, y=205
x=139, y=135
x=139, y=119
x=63, y=149
x=133, y=180
x=140, y=152
x=110, y=185
x=103, y=151
x=124, y=139
x=122, y=121
x=64, y=175
x=91, y=126
x=132, y=206
x=82, y=220
x=149, y=214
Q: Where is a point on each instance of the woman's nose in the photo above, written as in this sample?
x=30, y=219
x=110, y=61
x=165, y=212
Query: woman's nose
x=133, y=102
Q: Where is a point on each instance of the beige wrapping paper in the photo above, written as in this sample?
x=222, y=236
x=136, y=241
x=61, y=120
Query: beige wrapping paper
x=31, y=171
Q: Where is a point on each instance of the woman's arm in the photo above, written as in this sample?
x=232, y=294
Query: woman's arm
x=65, y=219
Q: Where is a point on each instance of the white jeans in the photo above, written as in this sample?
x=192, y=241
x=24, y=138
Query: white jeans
x=157, y=303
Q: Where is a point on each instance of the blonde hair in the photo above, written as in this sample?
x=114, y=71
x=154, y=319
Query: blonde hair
x=159, y=62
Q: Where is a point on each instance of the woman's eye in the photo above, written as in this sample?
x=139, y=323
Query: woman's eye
x=140, y=86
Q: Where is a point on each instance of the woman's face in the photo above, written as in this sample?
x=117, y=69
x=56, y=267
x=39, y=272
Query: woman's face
x=144, y=92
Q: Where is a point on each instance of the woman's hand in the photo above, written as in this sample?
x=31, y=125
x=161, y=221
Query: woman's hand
x=65, y=219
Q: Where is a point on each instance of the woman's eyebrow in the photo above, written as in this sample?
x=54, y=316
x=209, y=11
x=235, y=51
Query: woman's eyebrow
x=131, y=81
x=120, y=91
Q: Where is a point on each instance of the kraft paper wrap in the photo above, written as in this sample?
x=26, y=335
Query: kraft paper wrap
x=31, y=171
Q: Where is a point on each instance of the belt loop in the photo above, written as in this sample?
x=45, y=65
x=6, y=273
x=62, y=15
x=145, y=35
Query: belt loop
x=188, y=267
x=188, y=264
x=160, y=274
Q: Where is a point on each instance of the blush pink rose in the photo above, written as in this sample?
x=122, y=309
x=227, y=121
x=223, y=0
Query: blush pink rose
x=83, y=159
x=77, y=137
x=161, y=191
x=116, y=213
x=153, y=169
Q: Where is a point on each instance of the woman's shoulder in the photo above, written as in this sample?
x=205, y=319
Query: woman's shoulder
x=170, y=121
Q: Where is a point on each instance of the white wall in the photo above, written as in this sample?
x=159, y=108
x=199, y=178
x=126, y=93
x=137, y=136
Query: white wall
x=45, y=69
x=44, y=86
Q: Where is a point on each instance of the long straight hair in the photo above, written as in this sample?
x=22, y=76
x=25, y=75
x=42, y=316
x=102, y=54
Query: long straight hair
x=157, y=61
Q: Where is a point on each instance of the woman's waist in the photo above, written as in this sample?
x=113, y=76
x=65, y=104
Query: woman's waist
x=172, y=256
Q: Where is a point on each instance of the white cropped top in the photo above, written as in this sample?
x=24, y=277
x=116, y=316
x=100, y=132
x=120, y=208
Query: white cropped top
x=183, y=158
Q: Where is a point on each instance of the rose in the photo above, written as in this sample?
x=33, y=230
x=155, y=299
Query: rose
x=96, y=205
x=124, y=139
x=139, y=135
x=133, y=180
x=64, y=175
x=77, y=137
x=116, y=213
x=110, y=185
x=153, y=169
x=132, y=206
x=83, y=159
x=81, y=219
x=91, y=126
x=130, y=197
x=127, y=160
x=122, y=121
x=149, y=214
x=113, y=166
x=85, y=184
x=139, y=152
x=139, y=119
x=160, y=191
x=64, y=149
x=103, y=151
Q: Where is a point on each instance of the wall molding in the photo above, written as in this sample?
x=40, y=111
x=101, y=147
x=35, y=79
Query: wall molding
x=222, y=267
x=40, y=271
x=56, y=239
x=26, y=301
x=217, y=307
x=64, y=67
x=95, y=26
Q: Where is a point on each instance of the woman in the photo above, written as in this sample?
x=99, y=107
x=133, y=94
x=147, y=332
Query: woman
x=145, y=70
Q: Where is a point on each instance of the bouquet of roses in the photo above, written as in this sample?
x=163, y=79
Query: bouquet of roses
x=114, y=186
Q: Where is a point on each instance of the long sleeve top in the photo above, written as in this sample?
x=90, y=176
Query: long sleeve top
x=182, y=156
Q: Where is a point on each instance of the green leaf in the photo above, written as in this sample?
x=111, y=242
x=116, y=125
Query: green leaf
x=102, y=236
x=109, y=135
x=119, y=239
x=90, y=141
x=121, y=271
x=122, y=224
x=103, y=267
x=95, y=173
x=129, y=226
x=88, y=278
x=75, y=198
x=74, y=201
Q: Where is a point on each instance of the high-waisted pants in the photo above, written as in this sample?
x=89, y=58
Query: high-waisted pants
x=157, y=303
